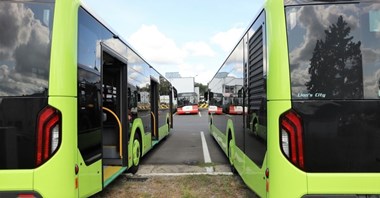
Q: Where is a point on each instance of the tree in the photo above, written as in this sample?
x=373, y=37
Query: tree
x=336, y=65
x=164, y=86
x=202, y=88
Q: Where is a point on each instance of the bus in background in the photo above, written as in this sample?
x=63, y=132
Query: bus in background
x=78, y=106
x=215, y=102
x=223, y=94
x=311, y=103
x=187, y=103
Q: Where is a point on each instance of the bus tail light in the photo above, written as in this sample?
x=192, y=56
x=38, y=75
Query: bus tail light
x=291, y=138
x=48, y=134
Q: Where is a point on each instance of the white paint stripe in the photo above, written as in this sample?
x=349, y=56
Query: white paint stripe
x=180, y=174
x=199, y=113
x=206, y=153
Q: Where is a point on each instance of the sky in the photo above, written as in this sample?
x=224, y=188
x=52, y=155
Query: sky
x=192, y=37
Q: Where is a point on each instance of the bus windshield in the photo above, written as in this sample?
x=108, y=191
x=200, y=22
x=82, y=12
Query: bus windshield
x=185, y=99
x=216, y=100
x=334, y=51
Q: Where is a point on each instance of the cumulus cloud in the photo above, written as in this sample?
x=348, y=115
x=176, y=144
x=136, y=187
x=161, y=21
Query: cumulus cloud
x=198, y=49
x=201, y=72
x=165, y=55
x=156, y=46
x=227, y=40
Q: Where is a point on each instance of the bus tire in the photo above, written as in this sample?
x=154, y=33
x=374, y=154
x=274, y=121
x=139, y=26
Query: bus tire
x=136, y=153
x=232, y=167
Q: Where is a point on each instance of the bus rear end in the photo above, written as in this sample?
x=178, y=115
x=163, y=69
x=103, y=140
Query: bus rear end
x=332, y=132
x=187, y=103
x=215, y=105
x=33, y=149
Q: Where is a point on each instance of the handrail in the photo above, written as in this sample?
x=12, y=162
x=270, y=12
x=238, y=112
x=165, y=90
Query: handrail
x=120, y=130
x=154, y=124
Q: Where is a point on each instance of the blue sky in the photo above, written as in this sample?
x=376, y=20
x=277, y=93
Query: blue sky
x=190, y=37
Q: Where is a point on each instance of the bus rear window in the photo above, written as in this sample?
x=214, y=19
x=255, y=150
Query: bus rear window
x=25, y=40
x=334, y=51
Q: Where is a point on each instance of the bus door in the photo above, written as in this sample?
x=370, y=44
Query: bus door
x=115, y=116
x=171, y=95
x=154, y=108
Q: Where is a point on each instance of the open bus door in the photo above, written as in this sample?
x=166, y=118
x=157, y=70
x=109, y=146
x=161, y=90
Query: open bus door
x=154, y=108
x=172, y=108
x=115, y=111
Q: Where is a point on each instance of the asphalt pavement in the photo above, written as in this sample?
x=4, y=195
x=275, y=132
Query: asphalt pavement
x=184, y=151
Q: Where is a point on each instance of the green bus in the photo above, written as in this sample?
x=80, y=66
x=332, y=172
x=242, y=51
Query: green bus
x=310, y=92
x=78, y=105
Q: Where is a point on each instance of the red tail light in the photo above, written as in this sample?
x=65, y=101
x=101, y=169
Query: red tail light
x=291, y=138
x=48, y=134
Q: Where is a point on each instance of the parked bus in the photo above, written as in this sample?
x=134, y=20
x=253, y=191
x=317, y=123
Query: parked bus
x=187, y=103
x=311, y=100
x=215, y=103
x=78, y=106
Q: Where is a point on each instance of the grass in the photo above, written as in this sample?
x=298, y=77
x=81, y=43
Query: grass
x=195, y=186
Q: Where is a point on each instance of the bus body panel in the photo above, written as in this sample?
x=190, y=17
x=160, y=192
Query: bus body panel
x=254, y=176
x=164, y=128
x=89, y=177
x=278, y=81
x=64, y=160
x=220, y=138
x=14, y=180
x=63, y=71
x=285, y=180
x=146, y=142
x=348, y=183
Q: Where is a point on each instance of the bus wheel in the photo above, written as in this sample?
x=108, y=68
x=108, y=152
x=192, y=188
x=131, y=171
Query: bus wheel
x=232, y=167
x=136, y=154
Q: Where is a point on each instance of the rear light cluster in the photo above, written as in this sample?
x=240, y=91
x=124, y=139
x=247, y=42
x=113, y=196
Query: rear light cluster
x=291, y=138
x=48, y=134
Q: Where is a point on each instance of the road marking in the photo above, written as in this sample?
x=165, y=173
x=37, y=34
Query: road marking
x=180, y=174
x=206, y=153
x=199, y=113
